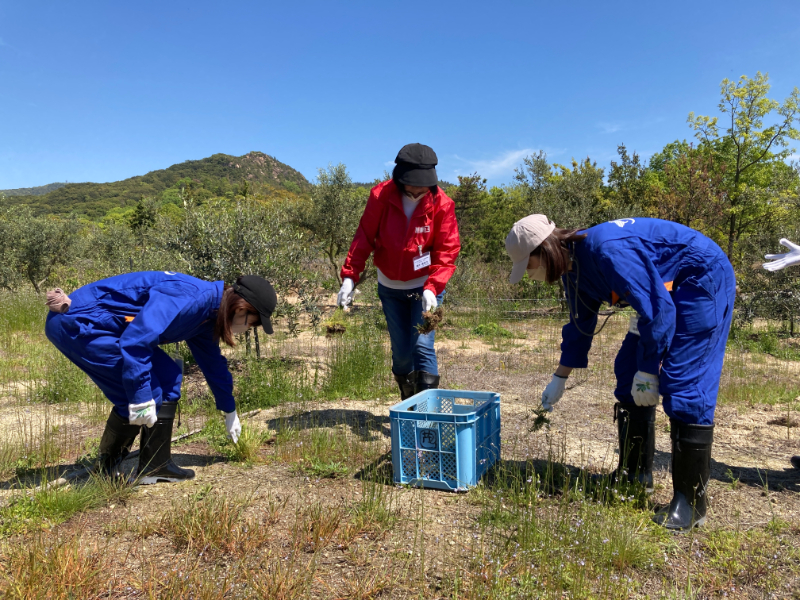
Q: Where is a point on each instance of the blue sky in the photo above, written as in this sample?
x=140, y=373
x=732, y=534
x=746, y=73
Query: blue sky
x=101, y=91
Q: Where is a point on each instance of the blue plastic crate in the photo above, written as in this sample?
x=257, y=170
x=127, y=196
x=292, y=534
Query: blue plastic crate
x=445, y=439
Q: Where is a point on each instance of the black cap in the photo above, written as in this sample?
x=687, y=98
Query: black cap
x=260, y=294
x=416, y=165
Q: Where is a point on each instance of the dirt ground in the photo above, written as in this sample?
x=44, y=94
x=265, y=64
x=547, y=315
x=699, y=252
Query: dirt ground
x=752, y=481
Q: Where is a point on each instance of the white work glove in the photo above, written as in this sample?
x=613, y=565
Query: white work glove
x=553, y=392
x=346, y=293
x=781, y=261
x=645, y=389
x=233, y=426
x=428, y=301
x=142, y=414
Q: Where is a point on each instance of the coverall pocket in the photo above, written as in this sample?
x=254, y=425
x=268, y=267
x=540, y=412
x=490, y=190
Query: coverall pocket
x=695, y=306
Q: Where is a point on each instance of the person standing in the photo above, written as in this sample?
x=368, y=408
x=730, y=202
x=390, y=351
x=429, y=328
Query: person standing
x=409, y=224
x=682, y=287
x=112, y=330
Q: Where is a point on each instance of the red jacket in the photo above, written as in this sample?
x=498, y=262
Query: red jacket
x=384, y=230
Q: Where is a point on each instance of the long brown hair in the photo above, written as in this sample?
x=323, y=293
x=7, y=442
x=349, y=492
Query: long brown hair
x=553, y=252
x=231, y=302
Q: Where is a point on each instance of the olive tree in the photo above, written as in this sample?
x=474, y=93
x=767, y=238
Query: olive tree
x=333, y=213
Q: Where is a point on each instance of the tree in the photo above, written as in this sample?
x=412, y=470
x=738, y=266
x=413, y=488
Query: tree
x=144, y=215
x=333, y=215
x=692, y=192
x=469, y=197
x=33, y=247
x=629, y=184
x=571, y=196
x=753, y=153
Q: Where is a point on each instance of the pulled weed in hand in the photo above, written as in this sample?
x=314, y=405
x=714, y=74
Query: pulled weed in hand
x=541, y=419
x=431, y=320
x=336, y=324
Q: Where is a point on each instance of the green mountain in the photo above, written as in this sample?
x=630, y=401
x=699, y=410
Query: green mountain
x=219, y=175
x=33, y=191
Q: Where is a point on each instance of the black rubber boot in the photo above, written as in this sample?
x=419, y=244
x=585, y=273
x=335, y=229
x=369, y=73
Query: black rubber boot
x=155, y=459
x=795, y=460
x=425, y=381
x=636, y=428
x=115, y=445
x=691, y=470
x=406, y=384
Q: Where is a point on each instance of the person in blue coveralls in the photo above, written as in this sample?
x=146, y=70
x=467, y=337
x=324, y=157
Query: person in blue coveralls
x=778, y=262
x=112, y=330
x=682, y=287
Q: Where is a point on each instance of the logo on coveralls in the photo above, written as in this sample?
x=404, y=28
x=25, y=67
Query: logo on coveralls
x=424, y=229
x=623, y=222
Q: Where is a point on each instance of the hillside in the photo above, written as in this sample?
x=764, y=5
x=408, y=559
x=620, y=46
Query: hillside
x=219, y=175
x=33, y=191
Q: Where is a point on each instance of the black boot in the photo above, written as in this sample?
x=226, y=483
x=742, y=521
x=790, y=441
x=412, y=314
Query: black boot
x=115, y=445
x=155, y=459
x=691, y=470
x=425, y=381
x=636, y=428
x=795, y=460
x=406, y=384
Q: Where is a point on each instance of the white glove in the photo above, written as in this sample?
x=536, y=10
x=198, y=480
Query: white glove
x=553, y=392
x=428, y=301
x=346, y=293
x=233, y=426
x=143, y=414
x=645, y=389
x=780, y=261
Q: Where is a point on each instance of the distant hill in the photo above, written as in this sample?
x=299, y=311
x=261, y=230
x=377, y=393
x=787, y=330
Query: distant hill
x=219, y=175
x=33, y=191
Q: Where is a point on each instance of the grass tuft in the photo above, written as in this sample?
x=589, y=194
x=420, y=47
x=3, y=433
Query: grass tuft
x=210, y=522
x=62, y=569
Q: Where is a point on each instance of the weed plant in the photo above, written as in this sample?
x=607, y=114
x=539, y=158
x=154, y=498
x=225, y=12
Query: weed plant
x=358, y=364
x=273, y=381
x=324, y=452
x=212, y=522
x=31, y=510
x=537, y=543
x=63, y=568
x=282, y=577
x=245, y=450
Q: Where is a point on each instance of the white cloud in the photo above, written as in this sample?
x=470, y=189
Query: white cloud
x=609, y=127
x=503, y=164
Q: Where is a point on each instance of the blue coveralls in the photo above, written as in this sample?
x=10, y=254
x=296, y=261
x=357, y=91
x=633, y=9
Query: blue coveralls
x=682, y=332
x=114, y=327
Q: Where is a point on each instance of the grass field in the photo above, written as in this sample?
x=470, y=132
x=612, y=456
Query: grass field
x=304, y=506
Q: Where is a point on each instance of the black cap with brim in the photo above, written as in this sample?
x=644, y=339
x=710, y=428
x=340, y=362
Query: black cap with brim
x=261, y=295
x=416, y=165
x=416, y=175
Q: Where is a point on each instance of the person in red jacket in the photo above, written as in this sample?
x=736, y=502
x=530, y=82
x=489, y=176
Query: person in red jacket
x=409, y=224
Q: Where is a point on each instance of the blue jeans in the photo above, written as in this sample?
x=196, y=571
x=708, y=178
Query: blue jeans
x=410, y=350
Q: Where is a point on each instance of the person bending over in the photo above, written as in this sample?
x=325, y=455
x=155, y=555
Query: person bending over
x=113, y=329
x=682, y=287
x=781, y=261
